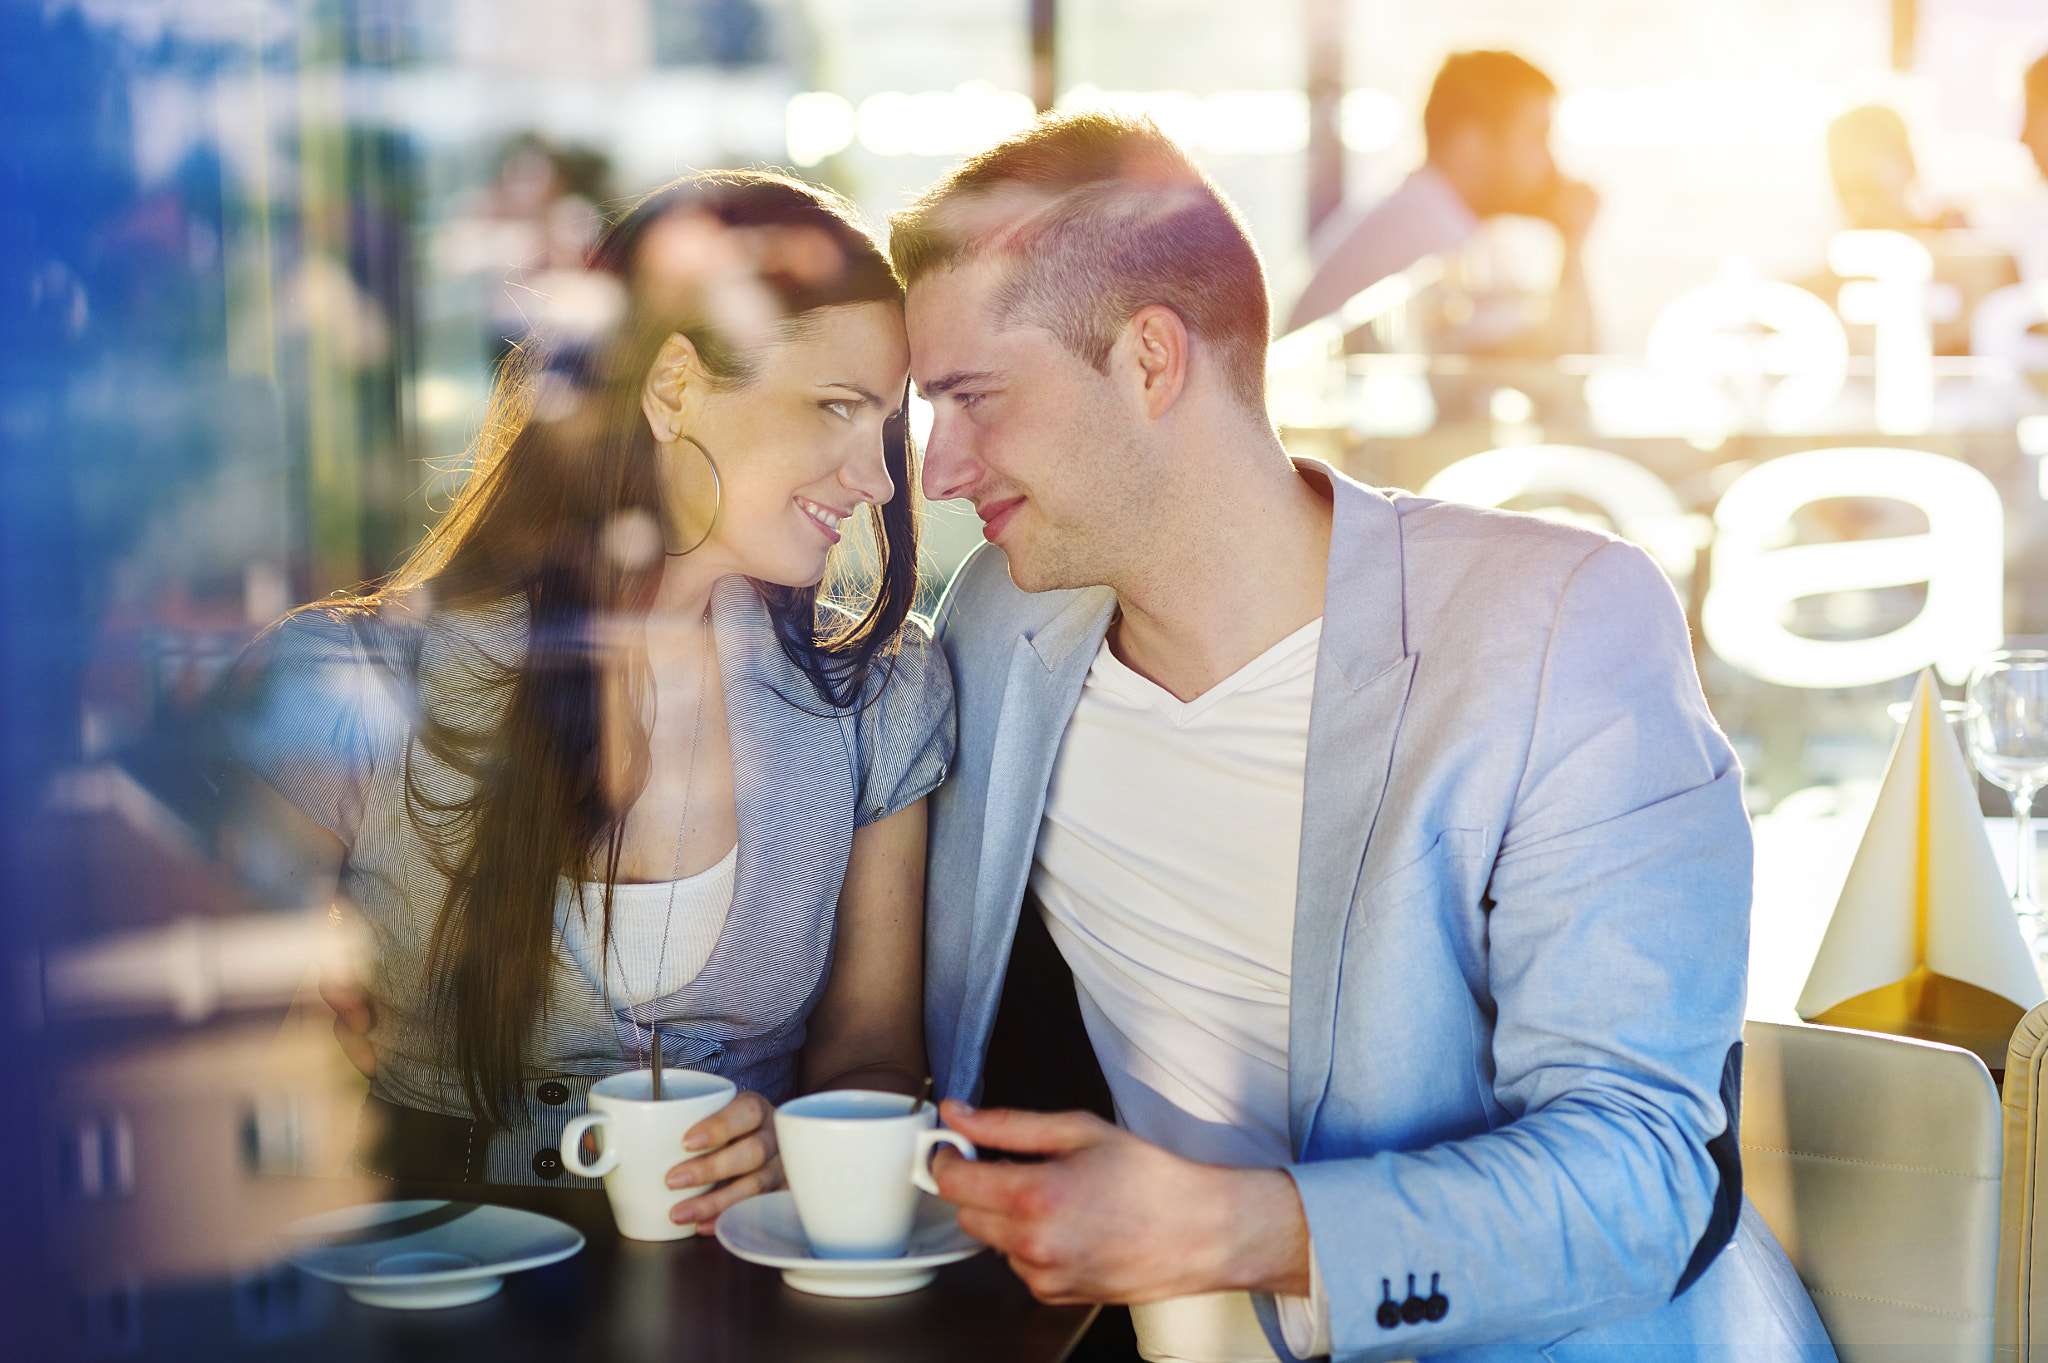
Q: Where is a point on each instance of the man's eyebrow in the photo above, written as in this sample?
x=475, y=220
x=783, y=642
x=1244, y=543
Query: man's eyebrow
x=956, y=379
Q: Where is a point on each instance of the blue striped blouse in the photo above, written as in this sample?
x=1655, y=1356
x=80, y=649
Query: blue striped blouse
x=325, y=714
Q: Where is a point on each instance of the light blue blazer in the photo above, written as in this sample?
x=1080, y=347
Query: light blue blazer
x=1520, y=935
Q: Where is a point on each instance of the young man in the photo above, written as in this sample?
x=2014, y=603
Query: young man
x=1486, y=131
x=1374, y=862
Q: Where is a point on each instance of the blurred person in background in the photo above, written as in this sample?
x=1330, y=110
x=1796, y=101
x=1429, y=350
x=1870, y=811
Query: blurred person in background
x=600, y=758
x=529, y=233
x=1877, y=182
x=2030, y=243
x=1486, y=129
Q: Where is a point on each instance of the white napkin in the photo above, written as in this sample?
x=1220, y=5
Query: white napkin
x=1925, y=888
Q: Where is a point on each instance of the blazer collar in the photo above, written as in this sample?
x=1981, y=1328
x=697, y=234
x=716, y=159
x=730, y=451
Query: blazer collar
x=1364, y=628
x=1080, y=626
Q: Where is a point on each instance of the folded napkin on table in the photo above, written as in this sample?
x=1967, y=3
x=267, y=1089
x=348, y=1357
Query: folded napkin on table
x=1923, y=942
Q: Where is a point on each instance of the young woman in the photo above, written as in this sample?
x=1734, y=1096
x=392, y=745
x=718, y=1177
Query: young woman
x=599, y=760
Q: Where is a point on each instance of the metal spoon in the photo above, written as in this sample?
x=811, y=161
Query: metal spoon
x=922, y=1094
x=654, y=1060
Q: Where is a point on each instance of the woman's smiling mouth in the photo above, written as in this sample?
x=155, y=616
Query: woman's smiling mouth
x=824, y=517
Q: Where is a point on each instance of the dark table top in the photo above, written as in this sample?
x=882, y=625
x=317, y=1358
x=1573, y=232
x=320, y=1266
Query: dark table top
x=618, y=1301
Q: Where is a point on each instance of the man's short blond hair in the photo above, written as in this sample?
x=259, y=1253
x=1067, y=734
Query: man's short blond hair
x=1097, y=216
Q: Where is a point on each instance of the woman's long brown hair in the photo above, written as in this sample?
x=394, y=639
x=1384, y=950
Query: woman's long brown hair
x=566, y=457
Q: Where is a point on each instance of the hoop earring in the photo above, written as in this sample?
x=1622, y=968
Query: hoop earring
x=717, y=498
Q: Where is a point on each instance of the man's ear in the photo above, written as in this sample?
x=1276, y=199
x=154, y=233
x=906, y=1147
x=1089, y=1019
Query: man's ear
x=1160, y=343
x=666, y=399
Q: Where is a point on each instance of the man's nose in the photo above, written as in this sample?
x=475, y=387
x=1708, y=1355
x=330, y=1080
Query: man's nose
x=949, y=469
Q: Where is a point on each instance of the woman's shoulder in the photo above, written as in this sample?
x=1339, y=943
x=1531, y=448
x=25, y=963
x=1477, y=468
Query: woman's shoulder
x=324, y=632
x=313, y=706
x=907, y=726
x=392, y=641
x=914, y=674
x=909, y=670
x=915, y=641
x=327, y=647
x=476, y=637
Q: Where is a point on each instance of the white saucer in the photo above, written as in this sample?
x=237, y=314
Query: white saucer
x=420, y=1254
x=765, y=1230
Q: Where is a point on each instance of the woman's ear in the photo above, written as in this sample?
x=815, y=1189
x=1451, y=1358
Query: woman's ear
x=671, y=390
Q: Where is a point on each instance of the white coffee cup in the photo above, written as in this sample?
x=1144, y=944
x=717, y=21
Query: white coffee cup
x=640, y=1140
x=855, y=1160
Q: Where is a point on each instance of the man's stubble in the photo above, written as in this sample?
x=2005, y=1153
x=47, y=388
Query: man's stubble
x=1098, y=503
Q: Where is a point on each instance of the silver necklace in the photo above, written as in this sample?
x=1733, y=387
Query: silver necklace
x=653, y=1047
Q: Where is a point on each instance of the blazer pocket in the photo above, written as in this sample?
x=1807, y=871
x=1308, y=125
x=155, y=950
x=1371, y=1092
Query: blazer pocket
x=1404, y=969
x=1450, y=845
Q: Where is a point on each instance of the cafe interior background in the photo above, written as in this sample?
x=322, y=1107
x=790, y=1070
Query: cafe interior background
x=262, y=256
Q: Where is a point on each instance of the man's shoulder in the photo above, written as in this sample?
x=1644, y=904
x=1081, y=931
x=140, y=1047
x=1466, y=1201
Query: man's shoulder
x=1454, y=528
x=1469, y=567
x=1438, y=536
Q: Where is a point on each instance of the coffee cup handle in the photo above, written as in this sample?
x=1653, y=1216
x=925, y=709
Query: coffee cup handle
x=572, y=1145
x=928, y=1141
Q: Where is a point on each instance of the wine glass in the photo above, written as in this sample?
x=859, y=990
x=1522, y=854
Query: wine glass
x=2007, y=724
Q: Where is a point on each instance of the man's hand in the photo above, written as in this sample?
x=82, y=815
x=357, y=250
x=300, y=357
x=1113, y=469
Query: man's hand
x=1108, y=1217
x=734, y=1151
x=354, y=1016
x=1571, y=206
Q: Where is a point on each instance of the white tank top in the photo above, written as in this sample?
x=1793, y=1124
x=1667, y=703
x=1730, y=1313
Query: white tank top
x=690, y=912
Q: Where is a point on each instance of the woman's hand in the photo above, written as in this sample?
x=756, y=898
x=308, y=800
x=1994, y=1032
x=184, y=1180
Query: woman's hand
x=354, y=1016
x=734, y=1150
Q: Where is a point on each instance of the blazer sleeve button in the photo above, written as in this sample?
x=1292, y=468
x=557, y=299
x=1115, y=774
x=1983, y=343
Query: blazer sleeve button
x=1413, y=1308
x=1436, y=1306
x=1389, y=1315
x=548, y=1163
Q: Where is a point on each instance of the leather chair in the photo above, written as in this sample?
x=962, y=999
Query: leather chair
x=1875, y=1160
x=2023, y=1241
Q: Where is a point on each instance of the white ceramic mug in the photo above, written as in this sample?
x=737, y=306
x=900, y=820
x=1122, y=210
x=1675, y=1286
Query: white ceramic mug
x=640, y=1140
x=855, y=1160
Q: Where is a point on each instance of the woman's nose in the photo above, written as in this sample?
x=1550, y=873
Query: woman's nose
x=867, y=476
x=947, y=470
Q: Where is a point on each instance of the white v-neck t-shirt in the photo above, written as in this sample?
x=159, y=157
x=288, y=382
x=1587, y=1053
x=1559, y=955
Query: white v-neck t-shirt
x=1166, y=863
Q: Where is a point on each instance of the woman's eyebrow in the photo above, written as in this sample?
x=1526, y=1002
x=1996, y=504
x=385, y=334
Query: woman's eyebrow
x=865, y=395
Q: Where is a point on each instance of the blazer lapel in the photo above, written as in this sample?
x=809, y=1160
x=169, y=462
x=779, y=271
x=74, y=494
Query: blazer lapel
x=1363, y=672
x=1047, y=669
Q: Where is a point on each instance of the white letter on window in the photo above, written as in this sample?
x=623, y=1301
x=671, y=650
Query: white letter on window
x=1961, y=558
